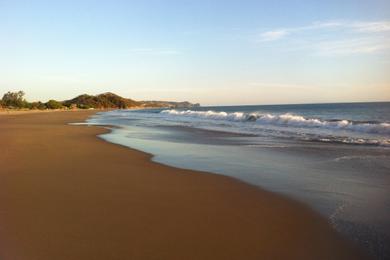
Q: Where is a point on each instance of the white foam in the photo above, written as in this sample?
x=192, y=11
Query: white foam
x=283, y=120
x=236, y=116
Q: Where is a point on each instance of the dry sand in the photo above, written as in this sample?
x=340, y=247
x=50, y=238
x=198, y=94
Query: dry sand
x=66, y=194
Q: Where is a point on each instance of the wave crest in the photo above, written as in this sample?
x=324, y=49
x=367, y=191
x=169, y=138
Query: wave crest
x=284, y=120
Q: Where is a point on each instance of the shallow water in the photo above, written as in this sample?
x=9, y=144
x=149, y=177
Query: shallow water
x=334, y=157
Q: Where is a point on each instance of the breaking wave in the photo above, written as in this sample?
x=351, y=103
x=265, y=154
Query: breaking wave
x=285, y=120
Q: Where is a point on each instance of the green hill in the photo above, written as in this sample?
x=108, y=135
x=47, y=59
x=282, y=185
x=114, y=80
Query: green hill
x=105, y=100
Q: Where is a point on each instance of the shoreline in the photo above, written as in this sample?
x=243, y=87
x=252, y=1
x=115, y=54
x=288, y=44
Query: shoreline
x=66, y=194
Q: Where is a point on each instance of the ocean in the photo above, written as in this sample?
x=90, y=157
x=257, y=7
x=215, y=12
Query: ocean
x=333, y=157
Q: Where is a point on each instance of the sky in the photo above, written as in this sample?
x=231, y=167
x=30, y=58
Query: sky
x=211, y=52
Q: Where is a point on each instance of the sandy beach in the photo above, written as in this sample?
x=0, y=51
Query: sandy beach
x=66, y=194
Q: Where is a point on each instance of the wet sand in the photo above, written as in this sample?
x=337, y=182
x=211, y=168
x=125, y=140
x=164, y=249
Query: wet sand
x=66, y=194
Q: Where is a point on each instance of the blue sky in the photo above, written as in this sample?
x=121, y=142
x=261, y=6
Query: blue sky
x=212, y=52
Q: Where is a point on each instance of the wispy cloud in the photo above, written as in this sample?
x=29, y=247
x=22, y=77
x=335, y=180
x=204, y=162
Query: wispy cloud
x=382, y=26
x=336, y=37
x=352, y=46
x=154, y=51
x=354, y=26
x=273, y=35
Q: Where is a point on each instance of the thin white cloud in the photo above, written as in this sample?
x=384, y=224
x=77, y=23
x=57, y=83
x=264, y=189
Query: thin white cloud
x=338, y=37
x=290, y=86
x=154, y=51
x=352, y=46
x=381, y=26
x=323, y=25
x=273, y=35
x=353, y=26
x=276, y=85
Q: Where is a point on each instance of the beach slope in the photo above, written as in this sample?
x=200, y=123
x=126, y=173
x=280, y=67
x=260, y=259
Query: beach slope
x=66, y=194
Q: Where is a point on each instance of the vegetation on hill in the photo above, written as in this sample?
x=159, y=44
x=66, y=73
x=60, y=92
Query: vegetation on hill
x=53, y=104
x=16, y=100
x=105, y=100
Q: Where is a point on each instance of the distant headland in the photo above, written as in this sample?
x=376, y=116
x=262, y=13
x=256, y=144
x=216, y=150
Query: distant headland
x=108, y=100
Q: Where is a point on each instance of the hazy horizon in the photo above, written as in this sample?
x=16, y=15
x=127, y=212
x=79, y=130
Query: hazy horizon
x=220, y=53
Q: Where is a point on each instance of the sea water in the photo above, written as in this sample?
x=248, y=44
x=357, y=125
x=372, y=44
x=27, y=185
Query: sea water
x=333, y=157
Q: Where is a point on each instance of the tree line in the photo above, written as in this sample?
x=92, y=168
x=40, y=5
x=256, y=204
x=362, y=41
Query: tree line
x=108, y=100
x=16, y=100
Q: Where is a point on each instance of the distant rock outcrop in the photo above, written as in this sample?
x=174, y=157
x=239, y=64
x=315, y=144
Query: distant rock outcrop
x=169, y=104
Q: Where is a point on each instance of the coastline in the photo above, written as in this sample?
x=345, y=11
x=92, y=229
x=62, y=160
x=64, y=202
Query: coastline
x=66, y=194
